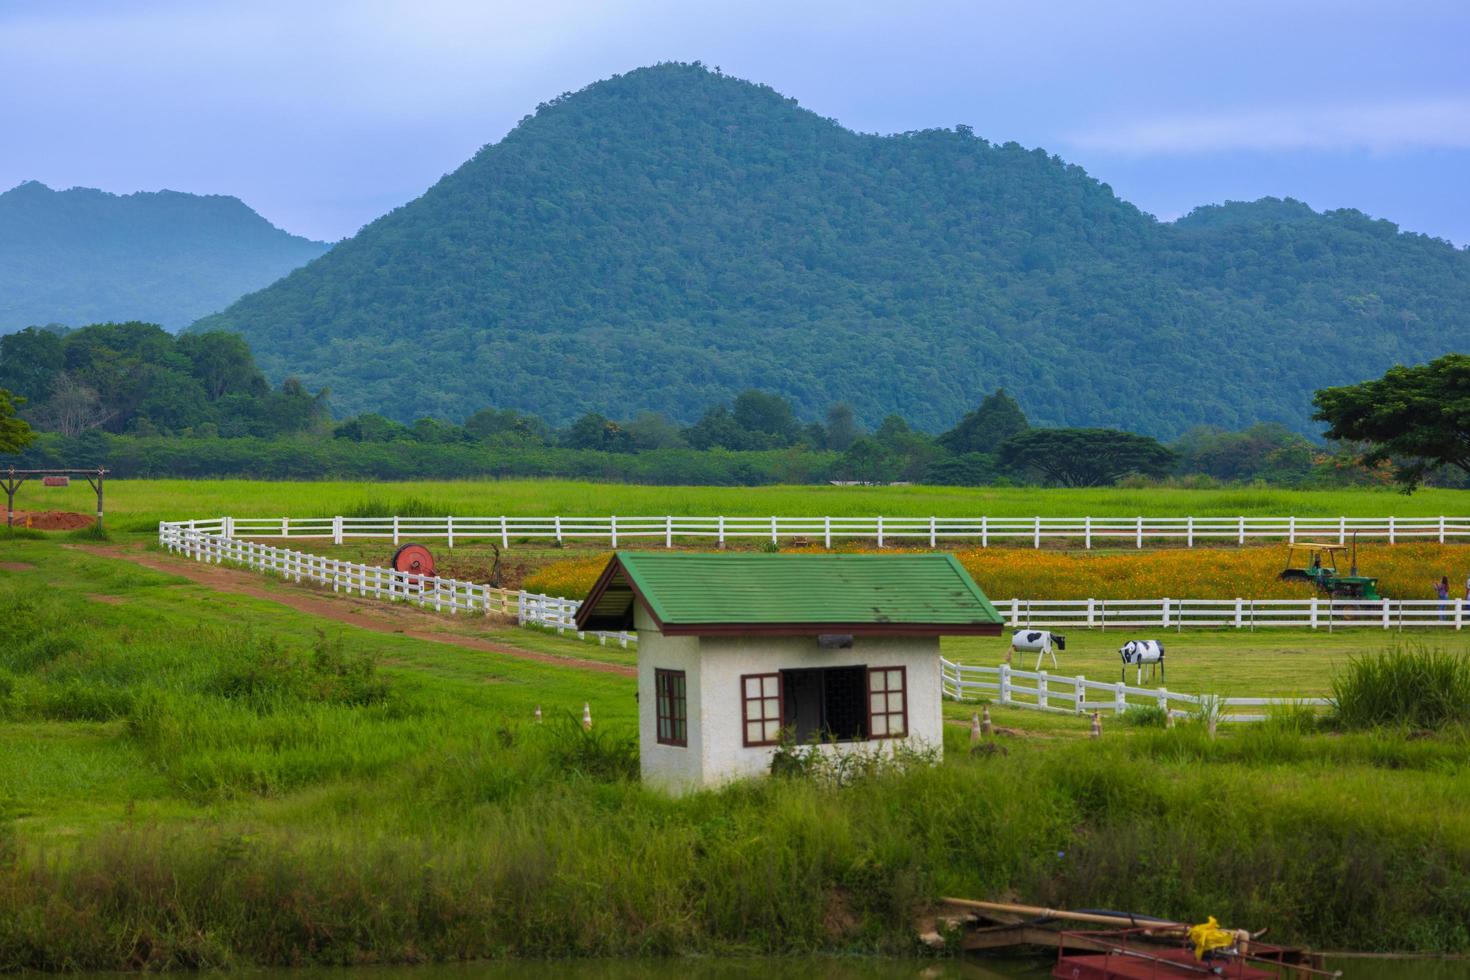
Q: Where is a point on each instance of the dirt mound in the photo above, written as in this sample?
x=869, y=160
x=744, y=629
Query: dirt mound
x=52, y=520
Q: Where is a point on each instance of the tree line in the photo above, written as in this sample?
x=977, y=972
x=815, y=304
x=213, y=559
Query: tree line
x=143, y=402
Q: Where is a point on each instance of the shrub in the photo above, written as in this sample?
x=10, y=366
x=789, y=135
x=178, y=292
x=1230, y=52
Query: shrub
x=1146, y=716
x=1415, y=687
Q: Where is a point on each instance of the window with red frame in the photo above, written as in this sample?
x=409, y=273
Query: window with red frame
x=888, y=706
x=761, y=711
x=671, y=706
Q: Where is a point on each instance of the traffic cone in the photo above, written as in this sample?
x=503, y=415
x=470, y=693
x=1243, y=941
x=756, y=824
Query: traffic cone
x=975, y=729
x=986, y=728
x=587, y=716
x=1096, y=725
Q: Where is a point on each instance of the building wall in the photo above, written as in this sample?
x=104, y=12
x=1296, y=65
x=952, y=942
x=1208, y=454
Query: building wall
x=714, y=665
x=670, y=766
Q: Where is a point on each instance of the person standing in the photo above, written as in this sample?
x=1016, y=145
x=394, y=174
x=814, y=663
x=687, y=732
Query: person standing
x=1442, y=589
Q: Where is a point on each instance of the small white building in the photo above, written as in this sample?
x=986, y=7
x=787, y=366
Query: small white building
x=734, y=649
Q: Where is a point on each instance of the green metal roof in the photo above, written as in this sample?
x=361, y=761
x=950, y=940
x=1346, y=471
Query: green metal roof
x=691, y=593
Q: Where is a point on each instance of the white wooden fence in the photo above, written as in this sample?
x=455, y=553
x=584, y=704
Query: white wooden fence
x=224, y=539
x=204, y=542
x=1061, y=694
x=207, y=541
x=980, y=530
x=1249, y=614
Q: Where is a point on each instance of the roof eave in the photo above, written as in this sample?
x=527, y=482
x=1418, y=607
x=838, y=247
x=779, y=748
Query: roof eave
x=823, y=629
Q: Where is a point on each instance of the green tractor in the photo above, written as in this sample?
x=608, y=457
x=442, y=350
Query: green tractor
x=1316, y=562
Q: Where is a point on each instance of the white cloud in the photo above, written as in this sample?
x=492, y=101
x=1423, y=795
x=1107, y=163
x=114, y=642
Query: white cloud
x=1378, y=127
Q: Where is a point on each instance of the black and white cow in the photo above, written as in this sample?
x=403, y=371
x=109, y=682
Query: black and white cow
x=1043, y=642
x=1140, y=653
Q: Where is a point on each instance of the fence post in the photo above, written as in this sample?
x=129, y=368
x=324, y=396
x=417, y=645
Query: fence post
x=1386, y=622
x=1459, y=613
x=1238, y=605
x=285, y=527
x=1291, y=529
x=1079, y=693
x=449, y=531
x=1441, y=529
x=613, y=528
x=504, y=533
x=1005, y=683
x=773, y=531
x=1043, y=698
x=1091, y=613
x=933, y=541
x=1140, y=530
x=984, y=530
x=337, y=530
x=1314, y=612
x=395, y=530
x=1164, y=700
x=1189, y=534
x=826, y=533
x=880, y=530
x=1087, y=533
x=1391, y=539
x=668, y=530
x=1166, y=613
x=1036, y=533
x=1342, y=530
x=556, y=526
x=722, y=534
x=1120, y=699
x=1241, y=525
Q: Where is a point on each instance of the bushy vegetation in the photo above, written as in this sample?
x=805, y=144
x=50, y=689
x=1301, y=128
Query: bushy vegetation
x=82, y=255
x=1419, y=688
x=137, y=378
x=710, y=236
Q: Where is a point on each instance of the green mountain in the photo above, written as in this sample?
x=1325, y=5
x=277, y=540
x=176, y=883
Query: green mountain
x=84, y=256
x=666, y=238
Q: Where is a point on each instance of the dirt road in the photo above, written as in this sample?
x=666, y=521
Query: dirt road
x=372, y=614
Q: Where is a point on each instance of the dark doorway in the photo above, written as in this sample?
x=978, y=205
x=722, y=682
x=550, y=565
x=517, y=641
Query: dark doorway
x=826, y=703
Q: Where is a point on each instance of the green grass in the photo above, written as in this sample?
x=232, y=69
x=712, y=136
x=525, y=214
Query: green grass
x=140, y=504
x=1232, y=663
x=195, y=779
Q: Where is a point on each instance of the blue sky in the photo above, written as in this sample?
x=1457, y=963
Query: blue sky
x=323, y=114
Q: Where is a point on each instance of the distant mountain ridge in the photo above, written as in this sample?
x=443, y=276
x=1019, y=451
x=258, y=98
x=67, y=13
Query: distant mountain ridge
x=665, y=238
x=83, y=256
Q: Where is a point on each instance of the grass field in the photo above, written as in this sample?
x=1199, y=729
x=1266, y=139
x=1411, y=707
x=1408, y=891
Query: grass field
x=140, y=504
x=189, y=778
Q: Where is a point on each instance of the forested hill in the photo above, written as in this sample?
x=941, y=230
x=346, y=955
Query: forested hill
x=83, y=256
x=665, y=238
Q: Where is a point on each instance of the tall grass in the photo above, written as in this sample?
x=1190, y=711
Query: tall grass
x=251, y=793
x=1414, y=687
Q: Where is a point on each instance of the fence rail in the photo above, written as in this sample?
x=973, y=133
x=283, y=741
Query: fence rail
x=982, y=530
x=210, y=541
x=1239, y=613
x=1060, y=694
x=205, y=541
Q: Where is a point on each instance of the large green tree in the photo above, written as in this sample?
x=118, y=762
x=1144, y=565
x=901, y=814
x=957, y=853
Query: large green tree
x=996, y=419
x=1417, y=418
x=1086, y=457
x=15, y=434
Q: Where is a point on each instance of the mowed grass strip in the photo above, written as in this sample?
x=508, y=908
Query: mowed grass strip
x=138, y=505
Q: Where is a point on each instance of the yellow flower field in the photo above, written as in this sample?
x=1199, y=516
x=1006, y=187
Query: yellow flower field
x=1404, y=571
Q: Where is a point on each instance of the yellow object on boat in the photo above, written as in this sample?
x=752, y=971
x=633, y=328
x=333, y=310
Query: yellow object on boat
x=1207, y=936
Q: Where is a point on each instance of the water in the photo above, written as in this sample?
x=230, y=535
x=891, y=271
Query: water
x=974, y=968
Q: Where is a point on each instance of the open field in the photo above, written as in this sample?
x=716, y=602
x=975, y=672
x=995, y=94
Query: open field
x=139, y=504
x=191, y=777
